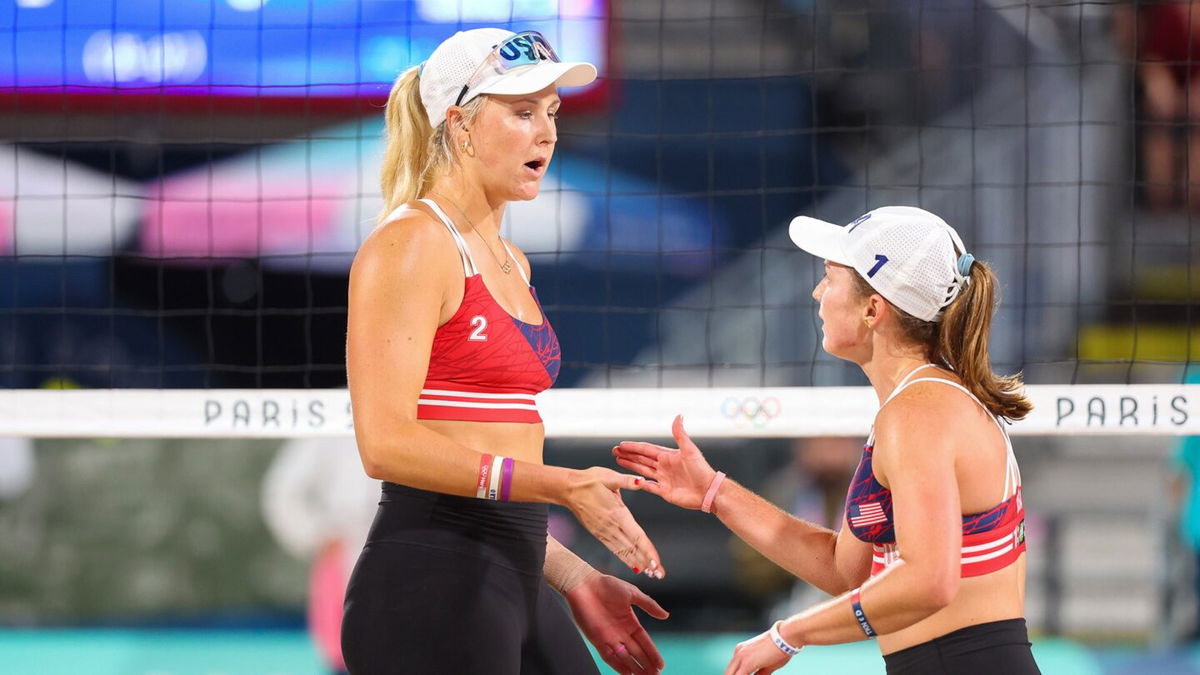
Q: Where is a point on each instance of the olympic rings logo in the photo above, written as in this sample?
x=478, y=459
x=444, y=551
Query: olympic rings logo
x=751, y=411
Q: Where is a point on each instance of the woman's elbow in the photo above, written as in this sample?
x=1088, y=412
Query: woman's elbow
x=372, y=462
x=376, y=456
x=378, y=448
x=372, y=468
x=942, y=588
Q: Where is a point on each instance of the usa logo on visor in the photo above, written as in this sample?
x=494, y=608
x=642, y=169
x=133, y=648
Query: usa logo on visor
x=527, y=49
x=524, y=49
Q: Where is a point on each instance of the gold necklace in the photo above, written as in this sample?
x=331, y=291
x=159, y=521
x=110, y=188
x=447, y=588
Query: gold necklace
x=505, y=266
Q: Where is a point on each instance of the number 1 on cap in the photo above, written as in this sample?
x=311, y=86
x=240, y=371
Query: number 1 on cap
x=879, y=261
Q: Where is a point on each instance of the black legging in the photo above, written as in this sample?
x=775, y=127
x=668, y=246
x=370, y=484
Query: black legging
x=995, y=648
x=451, y=584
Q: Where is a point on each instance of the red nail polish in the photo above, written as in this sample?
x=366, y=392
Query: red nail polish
x=636, y=571
x=637, y=481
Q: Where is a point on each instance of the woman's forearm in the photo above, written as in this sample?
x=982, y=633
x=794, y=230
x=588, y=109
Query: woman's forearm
x=414, y=455
x=896, y=599
x=802, y=548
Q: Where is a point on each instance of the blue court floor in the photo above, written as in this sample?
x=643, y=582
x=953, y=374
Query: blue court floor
x=228, y=652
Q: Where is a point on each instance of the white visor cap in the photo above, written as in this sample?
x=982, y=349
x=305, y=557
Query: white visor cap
x=908, y=255
x=460, y=56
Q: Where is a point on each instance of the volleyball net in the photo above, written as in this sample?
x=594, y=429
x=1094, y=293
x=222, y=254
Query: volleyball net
x=184, y=185
x=175, y=220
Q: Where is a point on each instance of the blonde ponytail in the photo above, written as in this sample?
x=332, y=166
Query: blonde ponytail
x=415, y=152
x=406, y=157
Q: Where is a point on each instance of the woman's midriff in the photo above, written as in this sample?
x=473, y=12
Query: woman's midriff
x=522, y=442
x=991, y=597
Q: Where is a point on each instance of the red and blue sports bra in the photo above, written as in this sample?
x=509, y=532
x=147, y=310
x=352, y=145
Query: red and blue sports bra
x=991, y=540
x=486, y=365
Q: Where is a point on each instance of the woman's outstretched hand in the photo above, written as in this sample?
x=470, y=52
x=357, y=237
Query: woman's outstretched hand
x=594, y=496
x=679, y=476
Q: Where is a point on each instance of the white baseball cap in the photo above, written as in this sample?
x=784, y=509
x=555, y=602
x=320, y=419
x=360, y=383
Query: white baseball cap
x=911, y=257
x=493, y=61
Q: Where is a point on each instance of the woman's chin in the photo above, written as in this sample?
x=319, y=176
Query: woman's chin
x=527, y=191
x=833, y=349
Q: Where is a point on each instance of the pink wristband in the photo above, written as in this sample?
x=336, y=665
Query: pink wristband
x=706, y=505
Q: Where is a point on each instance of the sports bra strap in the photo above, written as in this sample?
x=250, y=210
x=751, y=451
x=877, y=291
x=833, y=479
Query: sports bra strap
x=899, y=388
x=469, y=268
x=1012, y=474
x=393, y=215
x=905, y=382
x=514, y=259
x=952, y=384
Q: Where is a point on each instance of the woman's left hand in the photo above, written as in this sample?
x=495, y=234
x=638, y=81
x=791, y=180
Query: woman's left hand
x=603, y=609
x=681, y=476
x=757, y=655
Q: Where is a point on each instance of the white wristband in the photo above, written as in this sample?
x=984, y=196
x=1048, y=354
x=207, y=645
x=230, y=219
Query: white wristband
x=781, y=643
x=493, y=492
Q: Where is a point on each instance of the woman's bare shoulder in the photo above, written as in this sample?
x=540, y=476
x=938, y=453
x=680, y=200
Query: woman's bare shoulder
x=411, y=239
x=926, y=412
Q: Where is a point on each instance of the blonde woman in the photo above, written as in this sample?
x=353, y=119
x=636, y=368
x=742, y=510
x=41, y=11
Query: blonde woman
x=930, y=558
x=446, y=347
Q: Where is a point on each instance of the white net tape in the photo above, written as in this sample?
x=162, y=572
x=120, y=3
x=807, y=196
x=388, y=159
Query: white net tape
x=575, y=413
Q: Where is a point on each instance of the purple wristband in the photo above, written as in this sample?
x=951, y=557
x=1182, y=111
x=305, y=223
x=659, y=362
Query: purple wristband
x=506, y=478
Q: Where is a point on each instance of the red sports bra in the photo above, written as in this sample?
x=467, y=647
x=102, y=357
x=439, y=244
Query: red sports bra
x=485, y=364
x=991, y=540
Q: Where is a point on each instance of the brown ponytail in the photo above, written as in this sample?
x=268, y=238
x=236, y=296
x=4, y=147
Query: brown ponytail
x=960, y=341
x=415, y=152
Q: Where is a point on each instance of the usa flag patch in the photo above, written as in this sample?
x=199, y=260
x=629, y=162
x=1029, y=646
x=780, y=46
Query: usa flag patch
x=863, y=515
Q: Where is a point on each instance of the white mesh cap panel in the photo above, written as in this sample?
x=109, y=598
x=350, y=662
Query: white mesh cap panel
x=450, y=66
x=920, y=274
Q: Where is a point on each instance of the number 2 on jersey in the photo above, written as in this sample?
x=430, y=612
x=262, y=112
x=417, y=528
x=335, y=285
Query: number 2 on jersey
x=479, y=323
